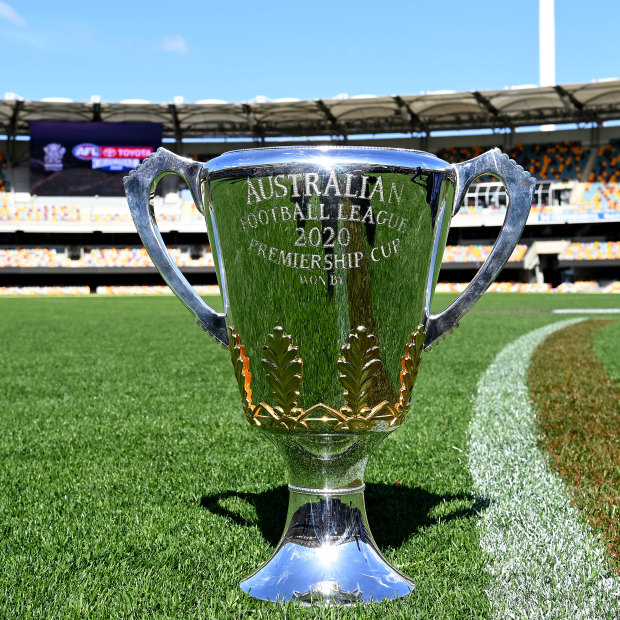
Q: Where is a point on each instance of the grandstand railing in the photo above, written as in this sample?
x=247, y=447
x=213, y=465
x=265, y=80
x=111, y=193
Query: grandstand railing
x=493, y=195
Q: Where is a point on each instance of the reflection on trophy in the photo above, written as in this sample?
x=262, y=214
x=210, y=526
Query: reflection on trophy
x=327, y=260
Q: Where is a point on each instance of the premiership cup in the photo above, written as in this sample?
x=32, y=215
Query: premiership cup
x=327, y=259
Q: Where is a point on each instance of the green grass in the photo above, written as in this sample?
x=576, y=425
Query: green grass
x=577, y=409
x=606, y=349
x=132, y=486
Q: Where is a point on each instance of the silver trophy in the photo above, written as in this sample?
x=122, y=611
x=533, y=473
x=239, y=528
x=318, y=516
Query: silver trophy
x=327, y=260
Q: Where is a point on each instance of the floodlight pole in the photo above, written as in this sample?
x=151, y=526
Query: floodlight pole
x=546, y=42
x=546, y=47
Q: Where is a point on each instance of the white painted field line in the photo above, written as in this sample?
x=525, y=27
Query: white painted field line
x=586, y=311
x=543, y=560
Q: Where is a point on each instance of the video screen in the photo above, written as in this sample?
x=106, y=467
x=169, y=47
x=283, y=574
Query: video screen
x=87, y=159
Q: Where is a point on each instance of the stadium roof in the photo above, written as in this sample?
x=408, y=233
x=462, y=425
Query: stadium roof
x=593, y=102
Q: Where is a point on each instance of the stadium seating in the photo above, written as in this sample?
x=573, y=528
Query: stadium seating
x=454, y=154
x=44, y=290
x=106, y=215
x=599, y=196
x=136, y=258
x=496, y=287
x=118, y=213
x=477, y=253
x=554, y=161
x=38, y=213
x=519, y=287
x=595, y=250
x=33, y=258
x=116, y=257
x=561, y=165
x=607, y=165
x=5, y=212
x=95, y=257
x=582, y=286
x=201, y=289
x=614, y=287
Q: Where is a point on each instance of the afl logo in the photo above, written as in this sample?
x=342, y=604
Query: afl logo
x=86, y=151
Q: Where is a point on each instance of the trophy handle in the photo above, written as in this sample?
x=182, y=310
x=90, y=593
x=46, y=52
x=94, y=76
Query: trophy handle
x=139, y=185
x=520, y=188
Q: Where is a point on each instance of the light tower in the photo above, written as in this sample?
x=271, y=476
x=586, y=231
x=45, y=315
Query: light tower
x=546, y=42
x=546, y=47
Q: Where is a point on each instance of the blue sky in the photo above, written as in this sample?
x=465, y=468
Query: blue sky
x=237, y=50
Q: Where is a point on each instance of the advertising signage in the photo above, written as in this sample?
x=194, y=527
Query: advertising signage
x=86, y=159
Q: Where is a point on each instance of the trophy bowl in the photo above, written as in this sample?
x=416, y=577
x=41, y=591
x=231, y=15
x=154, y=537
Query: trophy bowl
x=327, y=259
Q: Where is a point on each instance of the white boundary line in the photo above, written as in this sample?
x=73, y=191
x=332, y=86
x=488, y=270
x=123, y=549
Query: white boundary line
x=586, y=311
x=543, y=560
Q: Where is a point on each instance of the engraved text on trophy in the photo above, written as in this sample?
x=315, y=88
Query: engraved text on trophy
x=324, y=214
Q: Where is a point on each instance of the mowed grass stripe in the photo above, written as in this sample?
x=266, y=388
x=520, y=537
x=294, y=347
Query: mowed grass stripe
x=543, y=560
x=579, y=416
x=606, y=349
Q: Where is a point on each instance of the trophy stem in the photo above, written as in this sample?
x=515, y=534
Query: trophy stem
x=327, y=554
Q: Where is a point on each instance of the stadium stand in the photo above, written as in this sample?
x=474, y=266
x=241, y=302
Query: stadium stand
x=606, y=167
x=585, y=286
x=454, y=155
x=5, y=213
x=137, y=258
x=104, y=258
x=42, y=213
x=551, y=161
x=477, y=253
x=561, y=162
x=44, y=290
x=152, y=290
x=600, y=197
x=570, y=241
x=594, y=250
x=582, y=286
x=497, y=287
x=33, y=258
x=104, y=214
x=101, y=290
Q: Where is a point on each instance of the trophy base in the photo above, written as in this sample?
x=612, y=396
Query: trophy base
x=327, y=554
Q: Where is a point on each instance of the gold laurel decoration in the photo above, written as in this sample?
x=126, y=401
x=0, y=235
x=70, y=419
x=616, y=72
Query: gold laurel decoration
x=410, y=363
x=283, y=367
x=241, y=365
x=358, y=368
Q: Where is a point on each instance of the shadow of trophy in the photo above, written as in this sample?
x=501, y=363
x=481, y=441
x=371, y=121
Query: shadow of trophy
x=327, y=260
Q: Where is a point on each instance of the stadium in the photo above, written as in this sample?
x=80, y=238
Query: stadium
x=132, y=486
x=86, y=242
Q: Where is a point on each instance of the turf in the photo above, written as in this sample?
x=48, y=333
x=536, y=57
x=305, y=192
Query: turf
x=543, y=559
x=606, y=349
x=132, y=485
x=577, y=406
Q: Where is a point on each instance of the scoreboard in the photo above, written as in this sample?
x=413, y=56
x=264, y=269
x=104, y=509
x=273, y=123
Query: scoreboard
x=87, y=158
